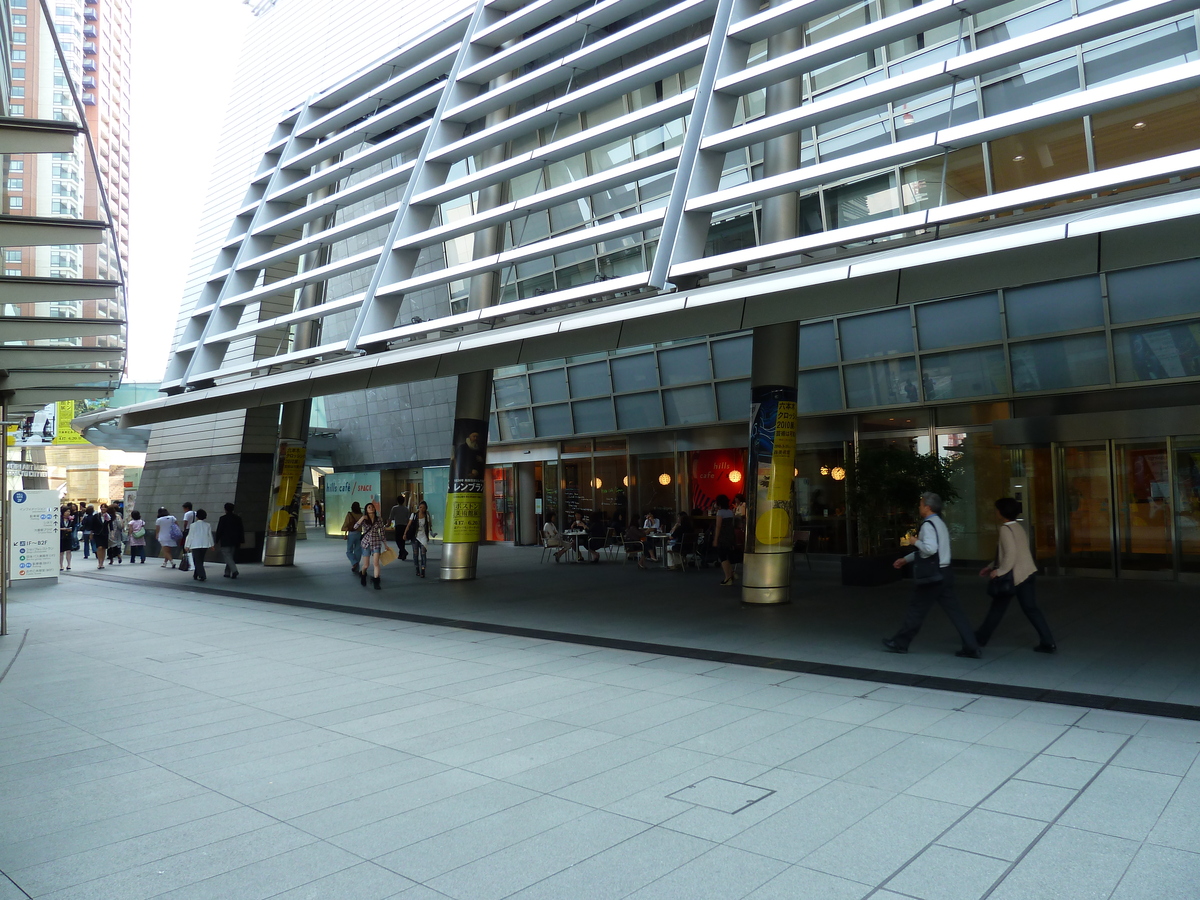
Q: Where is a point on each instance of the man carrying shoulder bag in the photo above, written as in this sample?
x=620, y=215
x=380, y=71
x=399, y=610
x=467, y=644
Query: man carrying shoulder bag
x=934, y=581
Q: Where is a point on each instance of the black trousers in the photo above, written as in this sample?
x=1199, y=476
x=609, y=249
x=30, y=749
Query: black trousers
x=198, y=554
x=924, y=597
x=1026, y=595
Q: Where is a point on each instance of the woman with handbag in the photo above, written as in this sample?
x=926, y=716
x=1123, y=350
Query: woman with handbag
x=67, y=542
x=1013, y=573
x=168, y=534
x=116, y=536
x=353, y=536
x=136, y=529
x=371, y=527
x=420, y=532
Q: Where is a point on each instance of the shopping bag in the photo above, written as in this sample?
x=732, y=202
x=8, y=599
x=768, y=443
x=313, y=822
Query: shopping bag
x=387, y=555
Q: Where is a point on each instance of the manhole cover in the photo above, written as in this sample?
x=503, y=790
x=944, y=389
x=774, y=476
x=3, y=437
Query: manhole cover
x=721, y=794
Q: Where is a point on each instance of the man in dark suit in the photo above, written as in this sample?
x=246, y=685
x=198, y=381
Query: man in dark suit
x=230, y=535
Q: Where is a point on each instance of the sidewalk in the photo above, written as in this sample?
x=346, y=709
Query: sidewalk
x=163, y=743
x=1124, y=645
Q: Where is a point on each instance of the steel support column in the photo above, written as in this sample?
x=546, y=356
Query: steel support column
x=770, y=495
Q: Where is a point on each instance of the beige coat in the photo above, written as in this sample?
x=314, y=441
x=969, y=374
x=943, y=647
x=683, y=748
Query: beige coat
x=1012, y=553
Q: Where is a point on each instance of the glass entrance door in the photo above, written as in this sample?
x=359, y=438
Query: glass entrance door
x=1187, y=502
x=1143, y=491
x=1086, y=508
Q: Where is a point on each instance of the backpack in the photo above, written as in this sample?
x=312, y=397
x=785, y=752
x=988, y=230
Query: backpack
x=175, y=533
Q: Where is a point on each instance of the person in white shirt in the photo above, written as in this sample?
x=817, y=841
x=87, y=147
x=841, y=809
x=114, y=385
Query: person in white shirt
x=199, y=538
x=652, y=522
x=553, y=537
x=936, y=586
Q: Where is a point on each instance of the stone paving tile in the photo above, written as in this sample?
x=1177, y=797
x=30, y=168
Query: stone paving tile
x=1140, y=797
x=721, y=873
x=943, y=873
x=1160, y=873
x=1068, y=863
x=993, y=834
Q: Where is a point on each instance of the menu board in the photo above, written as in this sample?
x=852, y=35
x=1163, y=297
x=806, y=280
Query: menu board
x=34, y=535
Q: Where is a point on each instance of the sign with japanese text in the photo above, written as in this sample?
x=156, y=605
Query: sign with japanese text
x=34, y=535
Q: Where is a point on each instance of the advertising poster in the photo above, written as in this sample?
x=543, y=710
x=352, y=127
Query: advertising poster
x=34, y=535
x=464, y=501
x=344, y=488
x=772, y=464
x=289, y=475
x=51, y=425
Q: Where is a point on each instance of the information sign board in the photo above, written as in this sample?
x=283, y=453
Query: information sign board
x=34, y=535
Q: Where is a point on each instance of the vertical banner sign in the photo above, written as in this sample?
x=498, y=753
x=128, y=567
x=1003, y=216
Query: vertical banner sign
x=464, y=500
x=34, y=535
x=289, y=476
x=772, y=465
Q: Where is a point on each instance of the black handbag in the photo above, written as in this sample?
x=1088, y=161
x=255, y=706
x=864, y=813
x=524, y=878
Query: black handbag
x=928, y=569
x=1001, y=586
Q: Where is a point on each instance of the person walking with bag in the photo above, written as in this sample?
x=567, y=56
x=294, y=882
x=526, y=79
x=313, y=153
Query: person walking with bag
x=420, y=532
x=116, y=536
x=198, y=539
x=1013, y=573
x=136, y=529
x=374, y=541
x=66, y=537
x=168, y=534
x=99, y=525
x=189, y=516
x=934, y=579
x=353, y=536
x=230, y=535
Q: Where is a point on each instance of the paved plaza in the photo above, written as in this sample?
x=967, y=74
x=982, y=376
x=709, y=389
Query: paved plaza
x=158, y=742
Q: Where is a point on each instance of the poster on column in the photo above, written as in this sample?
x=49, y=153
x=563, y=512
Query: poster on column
x=34, y=535
x=772, y=464
x=342, y=489
x=464, y=500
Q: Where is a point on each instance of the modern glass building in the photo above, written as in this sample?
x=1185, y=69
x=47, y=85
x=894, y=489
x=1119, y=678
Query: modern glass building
x=981, y=220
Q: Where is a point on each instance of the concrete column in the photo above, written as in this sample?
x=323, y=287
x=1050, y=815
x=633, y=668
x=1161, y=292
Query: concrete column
x=280, y=549
x=767, y=570
x=463, y=528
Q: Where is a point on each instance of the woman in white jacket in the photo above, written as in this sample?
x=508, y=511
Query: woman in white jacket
x=199, y=539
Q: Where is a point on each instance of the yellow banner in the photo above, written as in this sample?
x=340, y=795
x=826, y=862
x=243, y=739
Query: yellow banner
x=464, y=518
x=291, y=471
x=64, y=433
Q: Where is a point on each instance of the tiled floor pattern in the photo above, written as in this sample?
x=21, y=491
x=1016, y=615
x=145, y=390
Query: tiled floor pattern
x=155, y=743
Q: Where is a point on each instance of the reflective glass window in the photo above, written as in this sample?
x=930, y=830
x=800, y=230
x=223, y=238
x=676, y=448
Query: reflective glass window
x=863, y=201
x=1037, y=156
x=1158, y=351
x=514, y=424
x=594, y=415
x=512, y=392
x=548, y=386
x=916, y=120
x=632, y=373
x=966, y=320
x=1076, y=361
x=818, y=344
x=731, y=358
x=921, y=183
x=1054, y=306
x=1147, y=130
x=878, y=334
x=552, y=421
x=636, y=411
x=885, y=383
x=1018, y=25
x=589, y=381
x=820, y=390
x=857, y=141
x=1053, y=80
x=1151, y=292
x=689, y=405
x=1149, y=51
x=682, y=365
x=964, y=373
x=733, y=400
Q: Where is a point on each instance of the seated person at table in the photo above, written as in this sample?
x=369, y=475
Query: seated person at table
x=597, y=535
x=553, y=536
x=635, y=535
x=683, y=525
x=579, y=523
x=651, y=522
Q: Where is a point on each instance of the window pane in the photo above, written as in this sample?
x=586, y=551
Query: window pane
x=1158, y=351
x=548, y=386
x=552, y=421
x=818, y=345
x=733, y=400
x=1146, y=52
x=632, y=373
x=690, y=405
x=1035, y=157
x=636, y=411
x=879, y=334
x=731, y=358
x=1060, y=363
x=512, y=392
x=874, y=198
x=1147, y=130
x=589, y=381
x=882, y=383
x=965, y=180
x=1055, y=306
x=1152, y=292
x=820, y=391
x=967, y=320
x=594, y=415
x=1031, y=87
x=515, y=424
x=964, y=373
x=682, y=365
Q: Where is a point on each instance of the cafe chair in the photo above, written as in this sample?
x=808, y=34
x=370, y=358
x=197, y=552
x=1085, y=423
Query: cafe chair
x=546, y=548
x=633, y=550
x=801, y=541
x=612, y=544
x=688, y=551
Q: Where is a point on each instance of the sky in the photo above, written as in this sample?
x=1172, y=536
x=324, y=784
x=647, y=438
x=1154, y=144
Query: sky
x=184, y=57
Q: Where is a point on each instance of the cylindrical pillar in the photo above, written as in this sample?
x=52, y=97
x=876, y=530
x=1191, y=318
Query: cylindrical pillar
x=473, y=400
x=770, y=501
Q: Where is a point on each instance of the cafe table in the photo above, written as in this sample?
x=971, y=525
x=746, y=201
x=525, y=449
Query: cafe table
x=575, y=534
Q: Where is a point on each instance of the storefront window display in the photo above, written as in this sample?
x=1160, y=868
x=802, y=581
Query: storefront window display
x=821, y=497
x=981, y=477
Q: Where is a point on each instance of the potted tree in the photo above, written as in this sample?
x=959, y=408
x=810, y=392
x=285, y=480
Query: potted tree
x=883, y=485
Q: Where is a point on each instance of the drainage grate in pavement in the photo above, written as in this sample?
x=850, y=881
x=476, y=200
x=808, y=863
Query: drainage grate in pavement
x=721, y=794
